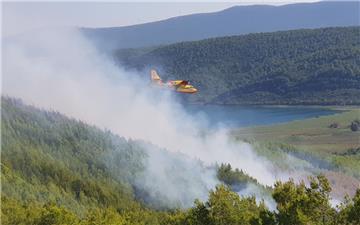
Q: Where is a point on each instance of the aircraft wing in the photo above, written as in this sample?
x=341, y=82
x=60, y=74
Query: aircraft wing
x=178, y=83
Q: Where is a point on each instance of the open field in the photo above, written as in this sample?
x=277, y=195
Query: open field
x=313, y=135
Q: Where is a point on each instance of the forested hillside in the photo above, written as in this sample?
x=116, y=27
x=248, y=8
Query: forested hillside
x=309, y=66
x=50, y=159
x=56, y=170
x=47, y=157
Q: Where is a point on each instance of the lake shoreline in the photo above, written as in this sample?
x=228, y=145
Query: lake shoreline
x=337, y=107
x=237, y=116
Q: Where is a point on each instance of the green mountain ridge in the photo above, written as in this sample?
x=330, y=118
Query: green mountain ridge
x=307, y=66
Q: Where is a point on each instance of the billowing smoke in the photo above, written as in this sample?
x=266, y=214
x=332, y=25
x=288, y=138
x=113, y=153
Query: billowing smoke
x=60, y=70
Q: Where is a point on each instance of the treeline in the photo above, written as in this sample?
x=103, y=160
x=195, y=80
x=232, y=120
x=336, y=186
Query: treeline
x=308, y=66
x=56, y=170
x=296, y=204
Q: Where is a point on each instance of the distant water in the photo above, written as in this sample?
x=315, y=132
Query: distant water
x=245, y=116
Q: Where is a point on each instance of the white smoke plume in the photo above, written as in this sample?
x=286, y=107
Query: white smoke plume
x=61, y=70
x=253, y=190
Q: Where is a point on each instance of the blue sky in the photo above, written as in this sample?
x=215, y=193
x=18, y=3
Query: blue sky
x=19, y=17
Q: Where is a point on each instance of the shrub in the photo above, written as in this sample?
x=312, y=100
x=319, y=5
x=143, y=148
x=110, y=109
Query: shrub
x=334, y=125
x=355, y=125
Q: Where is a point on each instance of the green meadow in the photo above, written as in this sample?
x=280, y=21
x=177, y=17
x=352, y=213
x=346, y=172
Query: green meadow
x=325, y=134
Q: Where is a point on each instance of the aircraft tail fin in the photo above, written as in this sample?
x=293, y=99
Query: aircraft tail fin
x=155, y=76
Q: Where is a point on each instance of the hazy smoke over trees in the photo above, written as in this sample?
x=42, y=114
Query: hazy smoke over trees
x=60, y=70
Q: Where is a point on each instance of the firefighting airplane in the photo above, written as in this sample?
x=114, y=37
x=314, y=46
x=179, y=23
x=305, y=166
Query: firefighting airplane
x=181, y=86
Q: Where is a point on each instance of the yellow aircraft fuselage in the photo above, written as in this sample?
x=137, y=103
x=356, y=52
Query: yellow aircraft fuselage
x=181, y=86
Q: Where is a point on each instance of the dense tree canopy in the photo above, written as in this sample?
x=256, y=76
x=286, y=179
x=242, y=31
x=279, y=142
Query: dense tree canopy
x=319, y=66
x=53, y=172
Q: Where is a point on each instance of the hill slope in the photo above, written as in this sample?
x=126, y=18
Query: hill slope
x=233, y=21
x=49, y=158
x=319, y=66
x=54, y=170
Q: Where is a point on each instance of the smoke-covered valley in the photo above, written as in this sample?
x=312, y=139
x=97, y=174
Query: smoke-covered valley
x=60, y=70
